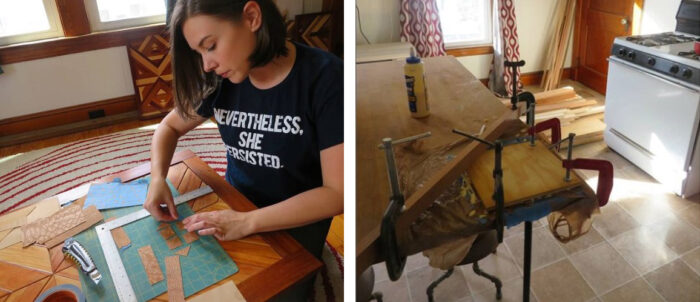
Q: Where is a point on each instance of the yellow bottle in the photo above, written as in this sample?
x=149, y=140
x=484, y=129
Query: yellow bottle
x=415, y=86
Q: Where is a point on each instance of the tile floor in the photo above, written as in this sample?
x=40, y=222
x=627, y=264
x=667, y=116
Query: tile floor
x=644, y=246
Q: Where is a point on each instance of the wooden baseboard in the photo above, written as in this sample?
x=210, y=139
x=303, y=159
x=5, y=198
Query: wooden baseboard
x=65, y=116
x=24, y=137
x=534, y=78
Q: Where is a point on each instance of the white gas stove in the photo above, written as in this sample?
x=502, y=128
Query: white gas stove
x=653, y=102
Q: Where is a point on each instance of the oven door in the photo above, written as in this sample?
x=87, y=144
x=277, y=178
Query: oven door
x=652, y=121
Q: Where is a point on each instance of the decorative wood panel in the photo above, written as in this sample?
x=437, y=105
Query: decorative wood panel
x=150, y=68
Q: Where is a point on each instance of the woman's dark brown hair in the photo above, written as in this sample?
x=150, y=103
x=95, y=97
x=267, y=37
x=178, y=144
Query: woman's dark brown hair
x=191, y=83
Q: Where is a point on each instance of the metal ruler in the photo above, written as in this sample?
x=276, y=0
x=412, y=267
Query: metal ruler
x=114, y=262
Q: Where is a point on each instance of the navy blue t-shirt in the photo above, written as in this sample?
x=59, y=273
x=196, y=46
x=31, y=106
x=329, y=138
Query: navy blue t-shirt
x=274, y=136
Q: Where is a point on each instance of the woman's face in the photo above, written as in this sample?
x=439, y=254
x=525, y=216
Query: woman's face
x=224, y=45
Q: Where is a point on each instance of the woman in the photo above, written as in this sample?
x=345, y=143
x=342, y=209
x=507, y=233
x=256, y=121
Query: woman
x=279, y=109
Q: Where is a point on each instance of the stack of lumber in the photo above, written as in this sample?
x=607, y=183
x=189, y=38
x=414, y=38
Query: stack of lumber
x=578, y=115
x=556, y=53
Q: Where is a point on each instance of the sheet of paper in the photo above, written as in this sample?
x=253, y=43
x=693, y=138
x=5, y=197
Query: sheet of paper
x=227, y=292
x=117, y=195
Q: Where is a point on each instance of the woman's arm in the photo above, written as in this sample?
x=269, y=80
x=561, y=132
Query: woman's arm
x=162, y=148
x=302, y=209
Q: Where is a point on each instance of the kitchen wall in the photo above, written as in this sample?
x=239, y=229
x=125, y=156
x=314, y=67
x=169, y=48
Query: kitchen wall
x=380, y=23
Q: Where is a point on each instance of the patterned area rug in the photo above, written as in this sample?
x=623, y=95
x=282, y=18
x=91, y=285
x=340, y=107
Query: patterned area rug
x=33, y=176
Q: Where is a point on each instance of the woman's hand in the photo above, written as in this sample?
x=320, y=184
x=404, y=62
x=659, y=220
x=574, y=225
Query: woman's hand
x=159, y=194
x=224, y=224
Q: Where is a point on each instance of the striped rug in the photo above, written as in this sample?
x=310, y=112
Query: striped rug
x=33, y=176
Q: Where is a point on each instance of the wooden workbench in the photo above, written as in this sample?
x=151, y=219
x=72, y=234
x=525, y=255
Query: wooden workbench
x=268, y=263
x=457, y=100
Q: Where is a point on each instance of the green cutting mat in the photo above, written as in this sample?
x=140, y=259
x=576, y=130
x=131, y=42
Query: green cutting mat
x=206, y=263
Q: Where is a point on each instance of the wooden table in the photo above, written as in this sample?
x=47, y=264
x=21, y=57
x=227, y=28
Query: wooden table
x=268, y=263
x=457, y=100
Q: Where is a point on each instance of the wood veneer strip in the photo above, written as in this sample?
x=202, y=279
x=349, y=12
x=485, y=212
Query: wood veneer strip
x=150, y=265
x=172, y=270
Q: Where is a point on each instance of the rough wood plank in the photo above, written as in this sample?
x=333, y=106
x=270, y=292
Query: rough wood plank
x=555, y=95
x=172, y=269
x=568, y=104
x=92, y=216
x=150, y=265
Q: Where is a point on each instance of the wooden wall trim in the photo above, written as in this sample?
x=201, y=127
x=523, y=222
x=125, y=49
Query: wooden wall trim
x=73, y=17
x=63, y=46
x=534, y=78
x=62, y=116
x=471, y=51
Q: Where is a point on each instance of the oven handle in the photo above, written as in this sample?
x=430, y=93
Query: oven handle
x=654, y=74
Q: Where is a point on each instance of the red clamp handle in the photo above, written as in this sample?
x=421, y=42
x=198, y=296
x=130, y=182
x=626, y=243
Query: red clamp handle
x=552, y=124
x=605, y=175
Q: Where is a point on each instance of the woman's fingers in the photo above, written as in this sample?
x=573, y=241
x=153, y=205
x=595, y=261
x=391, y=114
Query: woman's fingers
x=208, y=231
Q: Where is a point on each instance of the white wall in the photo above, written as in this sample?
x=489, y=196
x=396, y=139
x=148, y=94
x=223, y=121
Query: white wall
x=380, y=23
x=659, y=16
x=46, y=84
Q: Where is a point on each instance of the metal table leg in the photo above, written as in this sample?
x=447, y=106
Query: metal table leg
x=526, y=261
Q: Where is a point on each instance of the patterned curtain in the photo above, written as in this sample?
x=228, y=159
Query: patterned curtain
x=505, y=48
x=420, y=25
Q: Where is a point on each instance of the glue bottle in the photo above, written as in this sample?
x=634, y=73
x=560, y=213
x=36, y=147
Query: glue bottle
x=415, y=86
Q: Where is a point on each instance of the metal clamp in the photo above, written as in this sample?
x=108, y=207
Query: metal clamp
x=497, y=178
x=395, y=261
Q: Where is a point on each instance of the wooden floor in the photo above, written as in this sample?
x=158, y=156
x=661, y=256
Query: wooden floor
x=335, y=235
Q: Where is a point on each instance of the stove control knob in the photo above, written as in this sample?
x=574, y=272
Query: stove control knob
x=651, y=61
x=687, y=73
x=674, y=69
x=631, y=55
x=622, y=52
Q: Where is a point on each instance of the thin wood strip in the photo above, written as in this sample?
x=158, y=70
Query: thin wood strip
x=150, y=265
x=92, y=216
x=569, y=104
x=555, y=95
x=172, y=270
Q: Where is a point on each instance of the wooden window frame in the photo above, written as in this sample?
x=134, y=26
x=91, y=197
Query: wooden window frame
x=78, y=36
x=470, y=51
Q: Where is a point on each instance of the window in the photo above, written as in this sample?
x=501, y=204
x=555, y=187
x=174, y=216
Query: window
x=113, y=14
x=27, y=20
x=465, y=22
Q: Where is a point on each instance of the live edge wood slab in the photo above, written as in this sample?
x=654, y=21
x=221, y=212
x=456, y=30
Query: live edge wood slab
x=268, y=263
x=457, y=100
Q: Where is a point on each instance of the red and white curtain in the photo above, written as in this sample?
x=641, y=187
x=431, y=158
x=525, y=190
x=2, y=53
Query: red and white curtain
x=505, y=48
x=420, y=25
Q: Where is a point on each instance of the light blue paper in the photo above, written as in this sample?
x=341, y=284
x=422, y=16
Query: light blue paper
x=117, y=195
